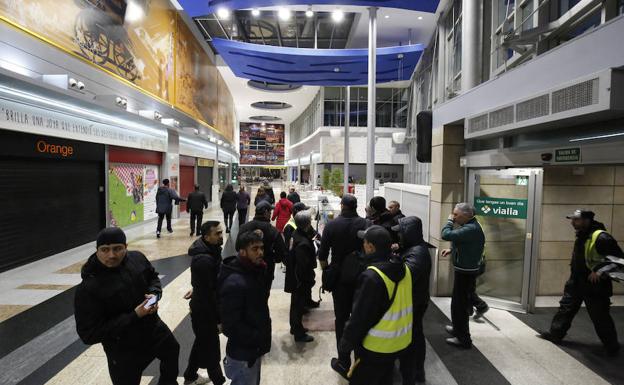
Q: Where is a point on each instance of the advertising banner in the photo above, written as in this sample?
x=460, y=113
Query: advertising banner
x=125, y=192
x=501, y=207
x=262, y=145
x=150, y=187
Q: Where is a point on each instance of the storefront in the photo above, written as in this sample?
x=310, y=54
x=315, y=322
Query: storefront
x=205, y=169
x=53, y=196
x=187, y=178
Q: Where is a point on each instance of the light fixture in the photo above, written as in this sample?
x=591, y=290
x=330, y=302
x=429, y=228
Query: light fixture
x=420, y=17
x=121, y=102
x=284, y=14
x=255, y=12
x=604, y=136
x=309, y=12
x=223, y=13
x=219, y=142
x=134, y=12
x=387, y=17
x=336, y=69
x=337, y=16
x=263, y=124
x=213, y=139
x=196, y=131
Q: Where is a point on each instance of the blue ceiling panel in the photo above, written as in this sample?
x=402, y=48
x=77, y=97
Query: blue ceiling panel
x=318, y=67
x=197, y=8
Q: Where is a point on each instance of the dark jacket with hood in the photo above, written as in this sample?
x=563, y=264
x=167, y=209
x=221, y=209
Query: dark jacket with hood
x=384, y=219
x=274, y=248
x=415, y=254
x=262, y=197
x=228, y=201
x=164, y=196
x=269, y=192
x=196, y=201
x=294, y=197
x=605, y=245
x=370, y=303
x=301, y=262
x=244, y=310
x=105, y=301
x=205, y=267
x=340, y=235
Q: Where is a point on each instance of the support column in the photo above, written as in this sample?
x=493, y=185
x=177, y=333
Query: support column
x=372, y=98
x=471, y=50
x=312, y=172
x=299, y=170
x=346, y=140
x=171, y=166
x=215, y=180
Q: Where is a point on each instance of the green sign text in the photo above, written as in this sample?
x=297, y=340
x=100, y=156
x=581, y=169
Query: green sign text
x=501, y=207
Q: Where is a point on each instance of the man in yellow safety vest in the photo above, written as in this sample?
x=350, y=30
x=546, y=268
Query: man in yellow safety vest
x=381, y=323
x=588, y=282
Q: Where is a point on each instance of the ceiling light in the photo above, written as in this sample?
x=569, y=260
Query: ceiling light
x=223, y=13
x=387, y=17
x=284, y=14
x=134, y=12
x=420, y=17
x=337, y=16
x=219, y=142
x=255, y=12
x=309, y=12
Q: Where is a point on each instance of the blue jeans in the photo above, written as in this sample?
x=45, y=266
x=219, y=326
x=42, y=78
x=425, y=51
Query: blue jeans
x=240, y=373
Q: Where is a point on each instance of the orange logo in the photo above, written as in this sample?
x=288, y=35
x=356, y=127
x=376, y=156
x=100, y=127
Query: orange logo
x=47, y=148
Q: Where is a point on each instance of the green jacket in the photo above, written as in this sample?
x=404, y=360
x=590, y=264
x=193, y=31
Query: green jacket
x=467, y=245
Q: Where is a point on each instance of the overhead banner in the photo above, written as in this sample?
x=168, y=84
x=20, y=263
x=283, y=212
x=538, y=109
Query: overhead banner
x=501, y=207
x=261, y=144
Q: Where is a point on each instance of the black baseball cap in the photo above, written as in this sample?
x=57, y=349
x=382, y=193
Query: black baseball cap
x=349, y=201
x=582, y=214
x=263, y=207
x=299, y=206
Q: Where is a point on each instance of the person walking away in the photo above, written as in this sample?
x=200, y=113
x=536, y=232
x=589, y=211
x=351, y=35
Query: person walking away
x=196, y=203
x=380, y=327
x=268, y=189
x=282, y=212
x=340, y=237
x=228, y=205
x=116, y=304
x=414, y=252
x=300, y=275
x=242, y=205
x=293, y=196
x=379, y=214
x=261, y=196
x=274, y=248
x=588, y=282
x=205, y=266
x=244, y=310
x=467, y=253
x=164, y=197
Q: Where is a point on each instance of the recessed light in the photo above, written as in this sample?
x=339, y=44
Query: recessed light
x=337, y=16
x=255, y=12
x=309, y=12
x=284, y=14
x=387, y=17
x=420, y=17
x=223, y=13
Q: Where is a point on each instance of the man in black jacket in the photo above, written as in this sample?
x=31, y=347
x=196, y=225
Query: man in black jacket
x=379, y=214
x=377, y=346
x=228, y=204
x=244, y=310
x=293, y=196
x=205, y=265
x=115, y=306
x=164, y=207
x=274, y=248
x=340, y=237
x=300, y=274
x=588, y=282
x=196, y=202
x=394, y=208
x=414, y=252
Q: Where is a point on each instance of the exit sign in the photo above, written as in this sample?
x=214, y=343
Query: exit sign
x=568, y=155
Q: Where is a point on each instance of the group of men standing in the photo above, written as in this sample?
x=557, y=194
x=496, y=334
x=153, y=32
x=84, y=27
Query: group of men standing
x=377, y=269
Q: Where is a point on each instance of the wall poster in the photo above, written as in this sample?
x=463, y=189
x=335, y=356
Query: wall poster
x=262, y=145
x=150, y=183
x=132, y=193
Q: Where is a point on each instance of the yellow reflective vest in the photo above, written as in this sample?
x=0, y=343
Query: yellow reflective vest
x=393, y=332
x=592, y=258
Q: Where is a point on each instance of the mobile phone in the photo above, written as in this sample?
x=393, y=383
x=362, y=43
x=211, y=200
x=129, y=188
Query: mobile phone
x=151, y=302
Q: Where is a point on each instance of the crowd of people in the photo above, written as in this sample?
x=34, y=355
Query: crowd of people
x=376, y=268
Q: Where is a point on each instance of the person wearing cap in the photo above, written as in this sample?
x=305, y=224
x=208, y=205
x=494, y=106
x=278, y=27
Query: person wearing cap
x=274, y=248
x=467, y=254
x=588, y=282
x=196, y=202
x=300, y=276
x=414, y=252
x=293, y=196
x=164, y=207
x=381, y=323
x=242, y=205
x=340, y=238
x=205, y=265
x=114, y=306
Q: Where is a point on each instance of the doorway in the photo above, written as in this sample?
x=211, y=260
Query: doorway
x=508, y=207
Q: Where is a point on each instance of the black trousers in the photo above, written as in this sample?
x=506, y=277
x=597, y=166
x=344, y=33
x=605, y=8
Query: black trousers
x=373, y=372
x=160, y=221
x=206, y=350
x=461, y=304
x=297, y=306
x=477, y=302
x=126, y=367
x=597, y=298
x=343, y=300
x=242, y=216
x=228, y=217
x=412, y=361
x=196, y=221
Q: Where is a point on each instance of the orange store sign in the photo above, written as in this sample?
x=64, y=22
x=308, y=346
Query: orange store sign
x=54, y=149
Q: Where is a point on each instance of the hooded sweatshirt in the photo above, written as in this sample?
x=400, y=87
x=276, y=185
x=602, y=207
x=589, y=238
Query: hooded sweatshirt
x=415, y=254
x=205, y=267
x=282, y=212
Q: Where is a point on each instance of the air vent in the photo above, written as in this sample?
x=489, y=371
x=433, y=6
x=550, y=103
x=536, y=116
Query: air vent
x=502, y=117
x=478, y=123
x=579, y=95
x=533, y=108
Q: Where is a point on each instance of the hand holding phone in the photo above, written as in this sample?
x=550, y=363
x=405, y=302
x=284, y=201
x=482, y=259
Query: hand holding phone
x=150, y=302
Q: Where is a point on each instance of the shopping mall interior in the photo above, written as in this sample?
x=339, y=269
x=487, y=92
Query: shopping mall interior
x=515, y=107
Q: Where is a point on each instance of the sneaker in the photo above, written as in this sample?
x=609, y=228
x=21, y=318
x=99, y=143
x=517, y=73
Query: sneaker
x=201, y=380
x=170, y=231
x=158, y=234
x=304, y=338
x=548, y=336
x=457, y=343
x=449, y=330
x=339, y=368
x=480, y=313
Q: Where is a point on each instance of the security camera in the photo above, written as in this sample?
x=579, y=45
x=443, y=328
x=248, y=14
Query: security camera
x=546, y=157
x=72, y=82
x=157, y=116
x=119, y=100
x=80, y=86
x=196, y=131
x=124, y=103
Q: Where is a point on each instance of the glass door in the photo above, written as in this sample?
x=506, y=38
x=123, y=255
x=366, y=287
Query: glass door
x=507, y=203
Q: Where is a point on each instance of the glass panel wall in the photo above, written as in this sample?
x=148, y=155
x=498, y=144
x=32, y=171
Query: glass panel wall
x=391, y=107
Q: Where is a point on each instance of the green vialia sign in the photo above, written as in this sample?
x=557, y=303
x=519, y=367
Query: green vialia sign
x=501, y=207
